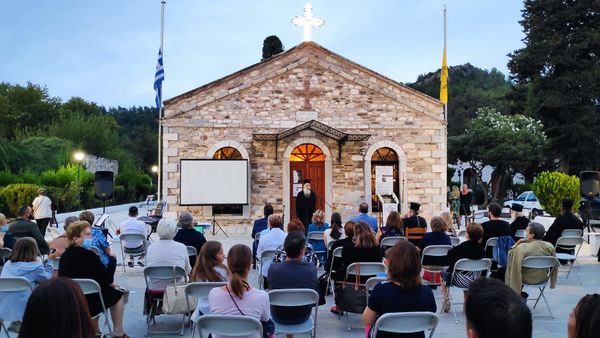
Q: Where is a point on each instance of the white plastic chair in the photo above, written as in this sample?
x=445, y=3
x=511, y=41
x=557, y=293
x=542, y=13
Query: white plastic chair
x=371, y=282
x=316, y=236
x=293, y=298
x=573, y=243
x=229, y=326
x=462, y=234
x=520, y=233
x=387, y=242
x=12, y=284
x=199, y=290
x=454, y=240
x=192, y=252
x=337, y=253
x=53, y=232
x=571, y=233
x=467, y=265
x=547, y=263
x=433, y=251
x=362, y=269
x=165, y=273
x=266, y=255
x=406, y=322
x=131, y=238
x=88, y=287
x=491, y=243
x=4, y=254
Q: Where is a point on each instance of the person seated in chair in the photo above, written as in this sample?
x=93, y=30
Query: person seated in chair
x=187, y=235
x=495, y=227
x=270, y=241
x=363, y=216
x=258, y=226
x=99, y=241
x=437, y=236
x=23, y=227
x=414, y=221
x=6, y=240
x=133, y=226
x=532, y=245
x=567, y=220
x=61, y=243
x=518, y=221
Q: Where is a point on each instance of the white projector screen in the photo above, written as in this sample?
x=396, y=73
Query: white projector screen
x=213, y=182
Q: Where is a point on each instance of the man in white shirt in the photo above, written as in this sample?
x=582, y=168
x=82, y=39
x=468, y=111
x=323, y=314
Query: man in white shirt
x=270, y=241
x=133, y=226
x=42, y=210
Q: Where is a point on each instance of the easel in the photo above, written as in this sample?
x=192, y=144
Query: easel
x=214, y=224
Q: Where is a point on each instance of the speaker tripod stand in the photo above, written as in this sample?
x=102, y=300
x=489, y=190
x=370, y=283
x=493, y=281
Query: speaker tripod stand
x=214, y=224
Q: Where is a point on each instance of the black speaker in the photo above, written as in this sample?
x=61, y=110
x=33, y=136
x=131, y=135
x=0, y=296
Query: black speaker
x=588, y=183
x=104, y=184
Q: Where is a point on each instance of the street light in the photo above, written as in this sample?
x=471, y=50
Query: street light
x=154, y=170
x=78, y=156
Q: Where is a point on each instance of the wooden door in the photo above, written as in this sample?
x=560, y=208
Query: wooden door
x=315, y=172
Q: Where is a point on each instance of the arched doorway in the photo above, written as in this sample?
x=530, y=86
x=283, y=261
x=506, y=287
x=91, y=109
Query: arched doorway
x=307, y=161
x=384, y=157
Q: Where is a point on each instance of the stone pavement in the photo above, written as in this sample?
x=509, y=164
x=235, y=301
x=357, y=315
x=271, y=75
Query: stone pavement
x=561, y=300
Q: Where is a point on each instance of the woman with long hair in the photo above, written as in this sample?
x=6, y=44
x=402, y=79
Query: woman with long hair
x=238, y=297
x=584, y=320
x=393, y=227
x=318, y=224
x=209, y=267
x=57, y=309
x=336, y=231
x=23, y=263
x=404, y=292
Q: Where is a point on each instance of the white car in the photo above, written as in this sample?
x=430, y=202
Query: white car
x=529, y=202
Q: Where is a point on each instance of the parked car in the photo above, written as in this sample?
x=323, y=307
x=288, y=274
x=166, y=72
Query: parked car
x=529, y=202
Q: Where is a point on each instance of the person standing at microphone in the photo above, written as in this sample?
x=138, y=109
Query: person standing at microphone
x=306, y=203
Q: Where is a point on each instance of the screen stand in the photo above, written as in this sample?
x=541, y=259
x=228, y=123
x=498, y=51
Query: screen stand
x=214, y=224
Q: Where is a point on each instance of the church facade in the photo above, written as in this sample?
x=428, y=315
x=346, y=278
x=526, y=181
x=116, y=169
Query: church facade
x=308, y=113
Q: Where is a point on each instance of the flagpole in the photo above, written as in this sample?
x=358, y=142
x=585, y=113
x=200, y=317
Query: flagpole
x=160, y=109
x=445, y=30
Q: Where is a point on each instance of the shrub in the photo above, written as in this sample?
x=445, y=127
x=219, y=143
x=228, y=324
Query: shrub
x=7, y=177
x=18, y=195
x=552, y=187
x=65, y=198
x=65, y=175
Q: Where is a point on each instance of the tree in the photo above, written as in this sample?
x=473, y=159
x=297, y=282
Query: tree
x=271, y=47
x=469, y=88
x=556, y=77
x=511, y=144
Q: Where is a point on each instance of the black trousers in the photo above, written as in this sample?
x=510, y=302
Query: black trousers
x=42, y=224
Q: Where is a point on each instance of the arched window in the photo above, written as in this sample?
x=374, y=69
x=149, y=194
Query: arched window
x=307, y=152
x=228, y=153
x=383, y=157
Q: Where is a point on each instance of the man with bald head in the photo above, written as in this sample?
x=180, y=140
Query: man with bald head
x=363, y=209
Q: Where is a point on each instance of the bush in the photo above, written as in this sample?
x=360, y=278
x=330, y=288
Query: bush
x=65, y=175
x=65, y=198
x=7, y=177
x=552, y=187
x=18, y=195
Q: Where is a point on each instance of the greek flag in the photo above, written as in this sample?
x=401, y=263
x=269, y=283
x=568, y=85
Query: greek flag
x=158, y=79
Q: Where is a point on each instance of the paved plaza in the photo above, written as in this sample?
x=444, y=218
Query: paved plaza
x=561, y=300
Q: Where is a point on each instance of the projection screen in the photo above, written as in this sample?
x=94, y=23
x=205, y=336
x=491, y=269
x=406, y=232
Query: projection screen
x=213, y=182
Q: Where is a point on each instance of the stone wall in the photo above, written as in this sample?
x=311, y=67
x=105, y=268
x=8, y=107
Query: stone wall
x=265, y=99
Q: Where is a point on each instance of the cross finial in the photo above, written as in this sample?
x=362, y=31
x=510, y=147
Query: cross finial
x=307, y=21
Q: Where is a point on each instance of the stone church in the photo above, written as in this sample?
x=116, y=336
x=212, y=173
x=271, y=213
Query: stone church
x=308, y=113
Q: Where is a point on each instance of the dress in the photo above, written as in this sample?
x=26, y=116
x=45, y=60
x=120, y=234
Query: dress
x=388, y=297
x=12, y=304
x=79, y=262
x=305, y=207
x=465, y=203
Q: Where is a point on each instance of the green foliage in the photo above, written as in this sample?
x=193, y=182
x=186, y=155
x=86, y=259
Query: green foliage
x=469, y=88
x=556, y=77
x=7, y=177
x=552, y=187
x=45, y=152
x=18, y=195
x=65, y=198
x=65, y=175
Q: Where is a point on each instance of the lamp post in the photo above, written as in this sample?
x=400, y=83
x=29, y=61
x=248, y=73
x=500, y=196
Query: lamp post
x=154, y=170
x=78, y=156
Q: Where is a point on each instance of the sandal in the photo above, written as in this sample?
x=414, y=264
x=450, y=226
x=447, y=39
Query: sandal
x=334, y=309
x=124, y=335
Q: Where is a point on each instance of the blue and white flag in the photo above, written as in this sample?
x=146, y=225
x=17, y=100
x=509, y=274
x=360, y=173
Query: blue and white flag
x=159, y=76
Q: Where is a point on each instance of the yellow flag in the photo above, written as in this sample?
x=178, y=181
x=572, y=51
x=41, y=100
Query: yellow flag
x=444, y=80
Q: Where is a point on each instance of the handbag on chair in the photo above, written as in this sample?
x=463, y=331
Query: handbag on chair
x=351, y=297
x=174, y=300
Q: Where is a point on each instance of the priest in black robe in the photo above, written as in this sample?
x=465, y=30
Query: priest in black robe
x=306, y=203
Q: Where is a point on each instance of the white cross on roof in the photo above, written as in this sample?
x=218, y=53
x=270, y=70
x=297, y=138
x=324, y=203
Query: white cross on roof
x=307, y=21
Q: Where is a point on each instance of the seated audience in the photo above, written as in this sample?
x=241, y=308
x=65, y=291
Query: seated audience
x=495, y=227
x=61, y=243
x=447, y=217
x=470, y=249
x=518, y=221
x=189, y=236
x=209, y=267
x=437, y=236
x=258, y=226
x=494, y=311
x=23, y=263
x=80, y=262
x=99, y=241
x=349, y=231
x=238, y=297
x=294, y=273
x=364, y=217
x=23, y=227
x=567, y=220
x=584, y=320
x=533, y=245
x=167, y=252
x=393, y=227
x=134, y=226
x=6, y=240
x=336, y=231
x=270, y=241
x=309, y=256
x=404, y=292
x=57, y=309
x=318, y=224
x=414, y=225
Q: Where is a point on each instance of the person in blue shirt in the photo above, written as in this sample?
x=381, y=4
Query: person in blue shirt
x=363, y=208
x=318, y=224
x=258, y=226
x=107, y=257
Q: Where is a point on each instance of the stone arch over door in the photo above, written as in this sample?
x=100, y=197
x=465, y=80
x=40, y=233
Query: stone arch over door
x=239, y=147
x=402, y=182
x=285, y=162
